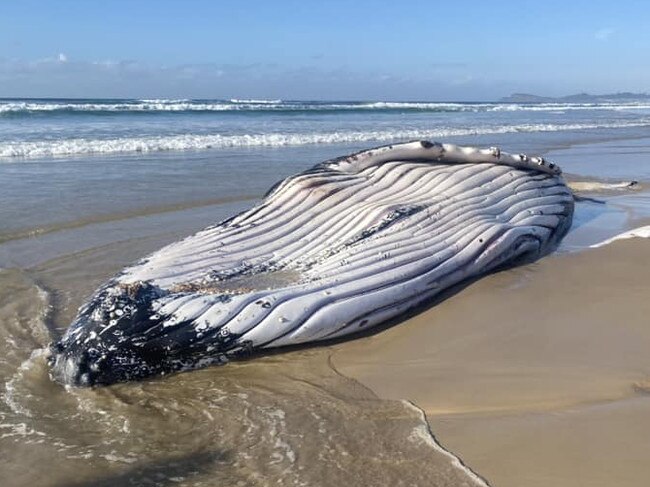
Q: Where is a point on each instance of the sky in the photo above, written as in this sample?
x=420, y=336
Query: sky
x=330, y=50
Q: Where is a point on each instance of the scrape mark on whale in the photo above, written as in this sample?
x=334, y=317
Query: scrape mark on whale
x=346, y=245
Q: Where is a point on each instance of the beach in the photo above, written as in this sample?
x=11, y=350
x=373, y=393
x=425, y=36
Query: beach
x=536, y=375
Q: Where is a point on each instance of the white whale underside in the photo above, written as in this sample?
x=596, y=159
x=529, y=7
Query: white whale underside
x=354, y=242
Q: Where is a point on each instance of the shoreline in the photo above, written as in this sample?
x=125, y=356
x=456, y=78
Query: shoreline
x=538, y=375
x=506, y=395
x=429, y=437
x=448, y=356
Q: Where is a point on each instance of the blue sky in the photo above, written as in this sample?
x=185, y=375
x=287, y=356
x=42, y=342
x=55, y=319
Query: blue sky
x=398, y=50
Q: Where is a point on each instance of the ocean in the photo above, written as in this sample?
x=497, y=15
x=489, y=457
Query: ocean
x=89, y=185
x=61, y=127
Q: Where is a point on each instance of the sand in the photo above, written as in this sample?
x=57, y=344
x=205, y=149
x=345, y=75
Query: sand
x=534, y=376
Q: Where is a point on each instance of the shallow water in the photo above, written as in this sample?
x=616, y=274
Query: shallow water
x=288, y=419
x=602, y=214
x=68, y=224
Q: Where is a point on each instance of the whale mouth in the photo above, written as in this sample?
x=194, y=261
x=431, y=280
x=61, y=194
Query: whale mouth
x=69, y=369
x=118, y=337
x=106, y=342
x=86, y=367
x=90, y=367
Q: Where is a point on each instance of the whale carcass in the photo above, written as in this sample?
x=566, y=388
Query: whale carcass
x=332, y=251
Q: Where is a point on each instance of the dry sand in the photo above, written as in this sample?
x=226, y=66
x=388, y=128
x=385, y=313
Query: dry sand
x=536, y=376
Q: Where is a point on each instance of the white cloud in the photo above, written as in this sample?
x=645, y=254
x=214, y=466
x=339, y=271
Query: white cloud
x=463, y=80
x=604, y=34
x=63, y=77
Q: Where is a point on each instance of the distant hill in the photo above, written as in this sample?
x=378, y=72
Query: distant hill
x=578, y=98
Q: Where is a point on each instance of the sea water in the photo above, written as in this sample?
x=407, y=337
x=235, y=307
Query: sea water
x=32, y=128
x=88, y=186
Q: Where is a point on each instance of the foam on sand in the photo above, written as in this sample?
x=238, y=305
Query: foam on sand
x=423, y=433
x=641, y=232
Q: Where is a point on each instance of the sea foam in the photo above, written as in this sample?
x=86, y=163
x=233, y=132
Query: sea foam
x=185, y=142
x=28, y=107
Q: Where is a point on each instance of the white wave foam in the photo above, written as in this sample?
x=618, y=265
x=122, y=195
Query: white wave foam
x=183, y=105
x=167, y=101
x=255, y=101
x=392, y=105
x=79, y=146
x=142, y=106
x=10, y=395
x=641, y=232
x=163, y=105
x=554, y=107
x=422, y=433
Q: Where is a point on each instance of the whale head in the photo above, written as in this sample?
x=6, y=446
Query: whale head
x=117, y=336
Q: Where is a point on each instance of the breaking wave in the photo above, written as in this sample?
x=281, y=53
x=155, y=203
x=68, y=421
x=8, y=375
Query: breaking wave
x=255, y=101
x=185, y=142
x=17, y=108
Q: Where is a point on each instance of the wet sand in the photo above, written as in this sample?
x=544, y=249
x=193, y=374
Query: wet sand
x=287, y=419
x=534, y=376
x=540, y=375
x=537, y=375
